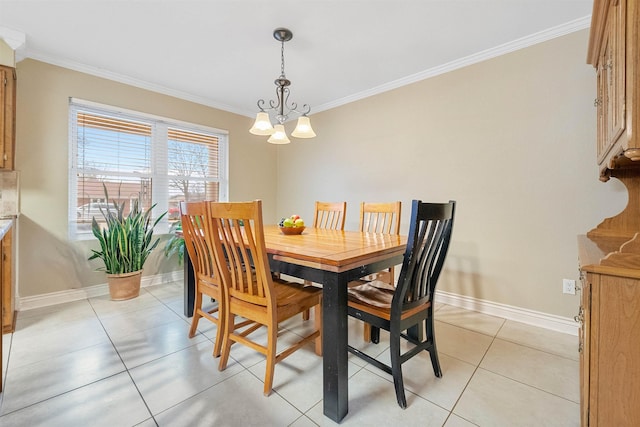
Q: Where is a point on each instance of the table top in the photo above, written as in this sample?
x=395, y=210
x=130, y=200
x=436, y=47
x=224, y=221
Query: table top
x=331, y=250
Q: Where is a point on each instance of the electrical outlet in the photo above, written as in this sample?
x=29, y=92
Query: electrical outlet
x=568, y=286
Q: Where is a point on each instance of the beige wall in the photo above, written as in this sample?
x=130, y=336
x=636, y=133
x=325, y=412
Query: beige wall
x=511, y=139
x=48, y=261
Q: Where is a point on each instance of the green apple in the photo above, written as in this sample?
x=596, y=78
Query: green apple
x=298, y=222
x=288, y=222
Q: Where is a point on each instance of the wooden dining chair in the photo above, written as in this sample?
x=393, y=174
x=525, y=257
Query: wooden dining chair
x=379, y=218
x=402, y=310
x=330, y=215
x=207, y=278
x=236, y=233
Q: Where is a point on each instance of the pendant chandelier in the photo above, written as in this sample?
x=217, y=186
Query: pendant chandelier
x=281, y=107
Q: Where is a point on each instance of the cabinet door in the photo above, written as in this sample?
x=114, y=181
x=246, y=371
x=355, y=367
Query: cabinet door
x=7, y=116
x=611, y=84
x=602, y=140
x=615, y=356
x=584, y=319
x=615, y=73
x=7, y=283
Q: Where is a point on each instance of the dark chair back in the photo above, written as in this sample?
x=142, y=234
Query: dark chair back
x=427, y=245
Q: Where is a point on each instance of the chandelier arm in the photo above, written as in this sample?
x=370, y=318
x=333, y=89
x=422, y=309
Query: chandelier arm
x=273, y=105
x=291, y=106
x=261, y=105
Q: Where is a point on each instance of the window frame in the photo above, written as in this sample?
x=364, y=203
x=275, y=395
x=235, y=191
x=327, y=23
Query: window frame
x=159, y=159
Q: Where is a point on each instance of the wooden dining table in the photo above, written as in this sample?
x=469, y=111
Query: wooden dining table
x=332, y=258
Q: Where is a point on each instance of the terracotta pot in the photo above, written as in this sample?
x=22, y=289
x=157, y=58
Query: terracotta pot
x=124, y=286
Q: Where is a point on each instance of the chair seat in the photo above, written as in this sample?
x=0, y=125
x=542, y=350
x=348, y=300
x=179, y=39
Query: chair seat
x=376, y=297
x=376, y=293
x=290, y=298
x=288, y=293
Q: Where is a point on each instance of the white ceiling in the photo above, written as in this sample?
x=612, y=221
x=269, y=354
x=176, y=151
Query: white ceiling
x=222, y=53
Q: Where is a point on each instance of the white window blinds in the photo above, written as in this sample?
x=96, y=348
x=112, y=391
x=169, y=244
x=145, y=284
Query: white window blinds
x=142, y=157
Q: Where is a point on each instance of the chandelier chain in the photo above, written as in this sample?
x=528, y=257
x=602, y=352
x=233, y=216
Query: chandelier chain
x=282, y=59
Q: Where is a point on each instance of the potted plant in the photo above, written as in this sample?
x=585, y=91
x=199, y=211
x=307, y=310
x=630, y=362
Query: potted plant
x=125, y=243
x=175, y=244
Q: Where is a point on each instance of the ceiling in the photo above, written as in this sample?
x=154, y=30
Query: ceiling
x=222, y=53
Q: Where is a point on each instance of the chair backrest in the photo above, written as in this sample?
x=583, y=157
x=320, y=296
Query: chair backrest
x=380, y=217
x=329, y=215
x=235, y=230
x=194, y=217
x=427, y=245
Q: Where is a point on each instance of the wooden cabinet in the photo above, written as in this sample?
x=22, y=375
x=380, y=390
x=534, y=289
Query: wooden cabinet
x=7, y=117
x=613, y=51
x=609, y=255
x=609, y=339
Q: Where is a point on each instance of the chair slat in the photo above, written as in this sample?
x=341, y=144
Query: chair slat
x=330, y=215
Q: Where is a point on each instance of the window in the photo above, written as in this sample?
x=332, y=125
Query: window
x=136, y=156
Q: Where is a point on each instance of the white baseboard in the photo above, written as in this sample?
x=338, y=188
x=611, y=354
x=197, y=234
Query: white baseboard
x=531, y=317
x=61, y=297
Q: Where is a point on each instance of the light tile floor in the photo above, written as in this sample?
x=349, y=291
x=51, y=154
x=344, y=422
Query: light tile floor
x=98, y=362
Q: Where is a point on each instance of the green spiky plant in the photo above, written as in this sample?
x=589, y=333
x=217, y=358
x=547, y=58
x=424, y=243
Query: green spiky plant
x=125, y=241
x=175, y=244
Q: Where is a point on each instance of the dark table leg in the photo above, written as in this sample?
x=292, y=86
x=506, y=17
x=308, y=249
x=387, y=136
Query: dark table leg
x=189, y=286
x=334, y=346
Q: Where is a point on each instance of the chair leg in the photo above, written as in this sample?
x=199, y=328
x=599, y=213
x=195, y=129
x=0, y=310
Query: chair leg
x=318, y=324
x=197, y=304
x=272, y=340
x=396, y=369
x=367, y=332
x=227, y=328
x=375, y=335
x=433, y=350
x=220, y=327
x=305, y=314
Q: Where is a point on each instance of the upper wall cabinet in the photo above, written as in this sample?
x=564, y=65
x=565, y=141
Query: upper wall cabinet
x=7, y=116
x=613, y=51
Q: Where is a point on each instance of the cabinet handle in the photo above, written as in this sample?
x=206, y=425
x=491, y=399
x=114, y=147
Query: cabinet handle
x=597, y=102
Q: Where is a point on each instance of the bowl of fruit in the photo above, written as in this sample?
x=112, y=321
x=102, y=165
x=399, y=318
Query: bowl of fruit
x=291, y=225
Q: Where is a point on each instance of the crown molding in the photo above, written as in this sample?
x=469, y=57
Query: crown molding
x=120, y=78
x=521, y=43
x=14, y=39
